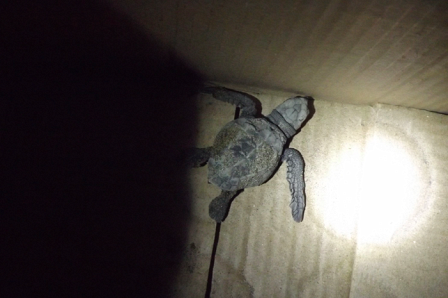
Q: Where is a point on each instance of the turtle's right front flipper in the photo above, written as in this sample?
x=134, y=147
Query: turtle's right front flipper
x=197, y=157
x=239, y=99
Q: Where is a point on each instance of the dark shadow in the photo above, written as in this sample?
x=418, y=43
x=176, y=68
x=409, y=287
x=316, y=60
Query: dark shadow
x=211, y=267
x=93, y=114
x=312, y=111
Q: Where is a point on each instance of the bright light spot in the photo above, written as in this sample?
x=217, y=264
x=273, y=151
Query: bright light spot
x=390, y=190
x=373, y=194
x=341, y=191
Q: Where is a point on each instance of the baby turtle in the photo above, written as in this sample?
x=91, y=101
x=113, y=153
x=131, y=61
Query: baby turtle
x=248, y=150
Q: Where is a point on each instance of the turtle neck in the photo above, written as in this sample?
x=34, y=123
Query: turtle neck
x=276, y=118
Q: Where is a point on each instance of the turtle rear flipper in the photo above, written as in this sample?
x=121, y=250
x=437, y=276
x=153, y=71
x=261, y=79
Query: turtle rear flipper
x=219, y=207
x=239, y=99
x=296, y=182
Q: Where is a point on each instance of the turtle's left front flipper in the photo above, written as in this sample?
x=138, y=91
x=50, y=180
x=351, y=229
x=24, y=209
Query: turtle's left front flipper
x=296, y=182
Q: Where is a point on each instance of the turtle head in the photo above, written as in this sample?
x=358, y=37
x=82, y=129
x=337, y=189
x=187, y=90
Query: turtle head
x=290, y=115
x=294, y=111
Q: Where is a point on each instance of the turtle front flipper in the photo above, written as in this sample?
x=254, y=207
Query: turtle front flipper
x=296, y=182
x=197, y=157
x=220, y=205
x=239, y=99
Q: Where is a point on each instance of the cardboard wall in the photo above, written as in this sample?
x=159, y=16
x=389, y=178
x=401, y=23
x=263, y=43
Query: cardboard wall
x=375, y=222
x=357, y=52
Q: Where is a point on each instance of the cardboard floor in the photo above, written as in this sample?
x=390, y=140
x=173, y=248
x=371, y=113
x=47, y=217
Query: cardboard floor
x=375, y=220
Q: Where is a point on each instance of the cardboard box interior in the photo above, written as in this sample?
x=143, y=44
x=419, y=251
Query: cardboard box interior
x=375, y=172
x=98, y=102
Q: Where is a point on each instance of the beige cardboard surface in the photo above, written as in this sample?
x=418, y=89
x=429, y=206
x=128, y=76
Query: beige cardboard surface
x=360, y=52
x=376, y=217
